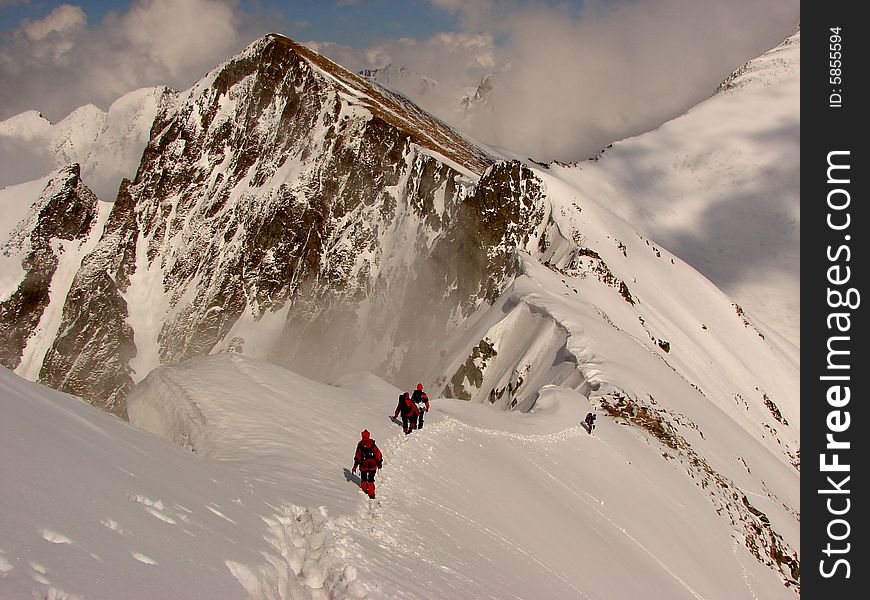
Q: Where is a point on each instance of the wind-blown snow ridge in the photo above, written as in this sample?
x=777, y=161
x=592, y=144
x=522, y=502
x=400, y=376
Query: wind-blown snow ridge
x=508, y=459
x=477, y=504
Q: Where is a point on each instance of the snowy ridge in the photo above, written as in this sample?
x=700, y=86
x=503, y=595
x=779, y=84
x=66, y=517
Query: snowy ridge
x=671, y=314
x=477, y=504
x=456, y=499
x=719, y=188
x=29, y=125
x=107, y=145
x=773, y=67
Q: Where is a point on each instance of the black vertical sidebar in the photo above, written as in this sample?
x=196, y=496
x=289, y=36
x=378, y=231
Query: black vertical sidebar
x=834, y=337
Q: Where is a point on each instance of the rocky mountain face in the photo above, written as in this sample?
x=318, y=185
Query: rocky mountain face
x=65, y=212
x=282, y=184
x=91, y=354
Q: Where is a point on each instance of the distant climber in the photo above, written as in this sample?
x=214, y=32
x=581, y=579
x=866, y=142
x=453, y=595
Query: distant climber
x=419, y=398
x=589, y=422
x=409, y=412
x=369, y=459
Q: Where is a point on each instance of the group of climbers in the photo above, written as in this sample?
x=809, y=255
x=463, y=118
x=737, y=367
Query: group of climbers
x=411, y=410
x=368, y=458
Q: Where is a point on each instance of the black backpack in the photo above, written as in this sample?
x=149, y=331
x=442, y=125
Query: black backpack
x=366, y=453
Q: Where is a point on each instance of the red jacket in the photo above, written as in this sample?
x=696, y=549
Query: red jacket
x=406, y=406
x=367, y=457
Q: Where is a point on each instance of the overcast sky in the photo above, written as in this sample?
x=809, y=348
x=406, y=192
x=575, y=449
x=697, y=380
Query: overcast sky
x=570, y=76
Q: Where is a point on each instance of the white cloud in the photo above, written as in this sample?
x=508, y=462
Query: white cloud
x=63, y=20
x=60, y=62
x=567, y=83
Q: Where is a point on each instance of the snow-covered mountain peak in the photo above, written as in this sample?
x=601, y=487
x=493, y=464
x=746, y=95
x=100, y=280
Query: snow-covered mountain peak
x=276, y=53
x=771, y=68
x=27, y=125
x=107, y=144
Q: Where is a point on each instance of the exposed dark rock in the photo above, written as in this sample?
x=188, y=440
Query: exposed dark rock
x=66, y=211
x=90, y=357
x=471, y=372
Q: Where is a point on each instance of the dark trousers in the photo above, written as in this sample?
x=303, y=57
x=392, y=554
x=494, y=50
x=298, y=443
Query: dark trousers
x=409, y=423
x=367, y=482
x=420, y=419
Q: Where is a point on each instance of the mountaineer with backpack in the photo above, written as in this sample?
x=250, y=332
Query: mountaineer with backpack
x=409, y=412
x=590, y=422
x=419, y=397
x=369, y=459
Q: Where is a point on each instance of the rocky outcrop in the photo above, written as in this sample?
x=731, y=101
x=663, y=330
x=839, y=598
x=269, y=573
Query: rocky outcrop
x=65, y=211
x=90, y=356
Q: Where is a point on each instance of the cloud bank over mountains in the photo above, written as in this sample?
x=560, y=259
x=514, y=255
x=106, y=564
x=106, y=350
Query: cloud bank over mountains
x=570, y=80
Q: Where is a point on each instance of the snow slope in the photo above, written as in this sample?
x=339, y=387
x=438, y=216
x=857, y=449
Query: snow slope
x=108, y=145
x=720, y=187
x=478, y=504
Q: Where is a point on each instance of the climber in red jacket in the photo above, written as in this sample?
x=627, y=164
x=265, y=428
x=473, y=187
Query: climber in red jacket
x=409, y=411
x=419, y=397
x=369, y=459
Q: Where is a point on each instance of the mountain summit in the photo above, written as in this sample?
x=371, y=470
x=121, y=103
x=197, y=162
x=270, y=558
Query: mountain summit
x=278, y=180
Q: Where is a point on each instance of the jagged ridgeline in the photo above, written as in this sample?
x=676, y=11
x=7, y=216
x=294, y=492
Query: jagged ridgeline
x=292, y=209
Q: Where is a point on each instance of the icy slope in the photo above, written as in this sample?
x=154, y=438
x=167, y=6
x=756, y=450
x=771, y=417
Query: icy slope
x=719, y=187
